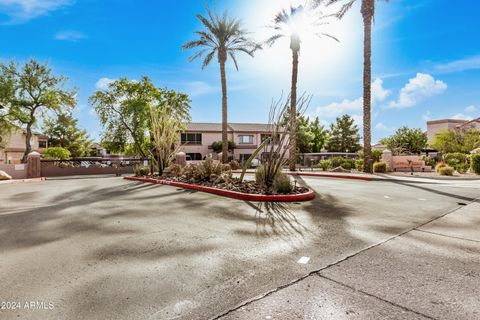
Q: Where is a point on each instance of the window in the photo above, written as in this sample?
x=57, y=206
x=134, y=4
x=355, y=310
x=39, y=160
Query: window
x=246, y=139
x=194, y=156
x=191, y=138
x=244, y=157
x=42, y=144
x=264, y=136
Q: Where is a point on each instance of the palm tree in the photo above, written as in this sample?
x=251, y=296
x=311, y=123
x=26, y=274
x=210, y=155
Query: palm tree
x=224, y=37
x=291, y=24
x=368, y=13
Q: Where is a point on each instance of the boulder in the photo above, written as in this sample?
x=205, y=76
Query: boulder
x=340, y=169
x=4, y=176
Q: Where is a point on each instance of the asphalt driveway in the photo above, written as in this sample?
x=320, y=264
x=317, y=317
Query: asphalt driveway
x=106, y=248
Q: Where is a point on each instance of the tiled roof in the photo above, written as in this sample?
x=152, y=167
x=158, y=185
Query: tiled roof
x=237, y=127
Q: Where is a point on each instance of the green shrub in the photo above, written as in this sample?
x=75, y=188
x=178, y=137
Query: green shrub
x=459, y=157
x=439, y=166
x=325, y=165
x=336, y=161
x=234, y=165
x=282, y=183
x=141, y=171
x=446, y=171
x=377, y=155
x=260, y=175
x=348, y=164
x=380, y=167
x=359, y=164
x=429, y=161
x=475, y=163
x=461, y=167
x=56, y=153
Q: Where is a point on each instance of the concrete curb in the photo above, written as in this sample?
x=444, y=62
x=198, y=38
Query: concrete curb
x=22, y=180
x=231, y=194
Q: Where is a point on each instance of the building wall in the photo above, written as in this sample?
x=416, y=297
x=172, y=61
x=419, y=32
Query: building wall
x=209, y=137
x=15, y=147
x=434, y=127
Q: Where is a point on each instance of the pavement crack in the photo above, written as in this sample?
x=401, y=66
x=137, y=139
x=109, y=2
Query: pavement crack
x=317, y=271
x=374, y=296
x=445, y=235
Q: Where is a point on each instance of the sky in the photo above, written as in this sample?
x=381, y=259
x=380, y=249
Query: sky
x=425, y=57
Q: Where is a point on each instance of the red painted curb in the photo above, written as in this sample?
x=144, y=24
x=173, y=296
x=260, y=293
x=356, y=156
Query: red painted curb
x=231, y=194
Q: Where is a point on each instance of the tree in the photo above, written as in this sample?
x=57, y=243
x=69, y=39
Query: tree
x=458, y=140
x=124, y=111
x=311, y=136
x=165, y=129
x=56, y=153
x=291, y=24
x=217, y=146
x=368, y=12
x=31, y=90
x=224, y=37
x=64, y=132
x=406, y=140
x=344, y=135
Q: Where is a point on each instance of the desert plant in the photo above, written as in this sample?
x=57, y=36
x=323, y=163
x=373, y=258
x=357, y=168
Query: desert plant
x=446, y=171
x=325, y=165
x=429, y=161
x=439, y=166
x=380, y=167
x=234, y=165
x=282, y=183
x=141, y=171
x=377, y=155
x=175, y=170
x=56, y=153
x=475, y=163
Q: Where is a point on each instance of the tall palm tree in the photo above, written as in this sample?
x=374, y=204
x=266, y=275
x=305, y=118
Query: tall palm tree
x=224, y=37
x=291, y=24
x=367, y=10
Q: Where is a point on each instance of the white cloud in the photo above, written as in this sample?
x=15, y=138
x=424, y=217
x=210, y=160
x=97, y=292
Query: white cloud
x=470, y=109
x=198, y=88
x=334, y=109
x=69, y=35
x=102, y=83
x=427, y=116
x=21, y=11
x=382, y=127
x=358, y=119
x=471, y=63
x=461, y=116
x=417, y=89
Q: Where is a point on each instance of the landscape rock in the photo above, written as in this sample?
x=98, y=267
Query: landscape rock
x=4, y=176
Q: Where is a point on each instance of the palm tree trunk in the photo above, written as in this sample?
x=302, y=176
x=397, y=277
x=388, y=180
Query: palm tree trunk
x=292, y=160
x=224, y=112
x=367, y=12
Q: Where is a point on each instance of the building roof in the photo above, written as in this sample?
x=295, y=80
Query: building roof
x=459, y=121
x=232, y=127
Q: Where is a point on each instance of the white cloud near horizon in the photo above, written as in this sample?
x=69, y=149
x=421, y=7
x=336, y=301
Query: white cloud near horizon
x=461, y=116
x=379, y=94
x=417, y=89
x=471, y=109
x=102, y=83
x=471, y=63
x=69, y=35
x=198, y=88
x=21, y=11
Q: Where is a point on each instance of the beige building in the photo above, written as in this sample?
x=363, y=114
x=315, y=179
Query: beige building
x=12, y=147
x=198, y=138
x=436, y=126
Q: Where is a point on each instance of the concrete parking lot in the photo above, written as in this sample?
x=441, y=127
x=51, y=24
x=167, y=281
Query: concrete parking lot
x=106, y=248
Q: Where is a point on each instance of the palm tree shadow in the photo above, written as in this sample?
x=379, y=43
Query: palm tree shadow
x=276, y=218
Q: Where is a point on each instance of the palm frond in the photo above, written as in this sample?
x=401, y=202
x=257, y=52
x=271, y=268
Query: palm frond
x=197, y=55
x=234, y=59
x=321, y=34
x=270, y=41
x=208, y=58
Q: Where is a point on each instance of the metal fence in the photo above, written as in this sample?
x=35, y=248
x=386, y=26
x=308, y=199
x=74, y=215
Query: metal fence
x=90, y=166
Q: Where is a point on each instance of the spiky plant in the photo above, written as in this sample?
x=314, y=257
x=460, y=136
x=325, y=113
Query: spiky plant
x=223, y=37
